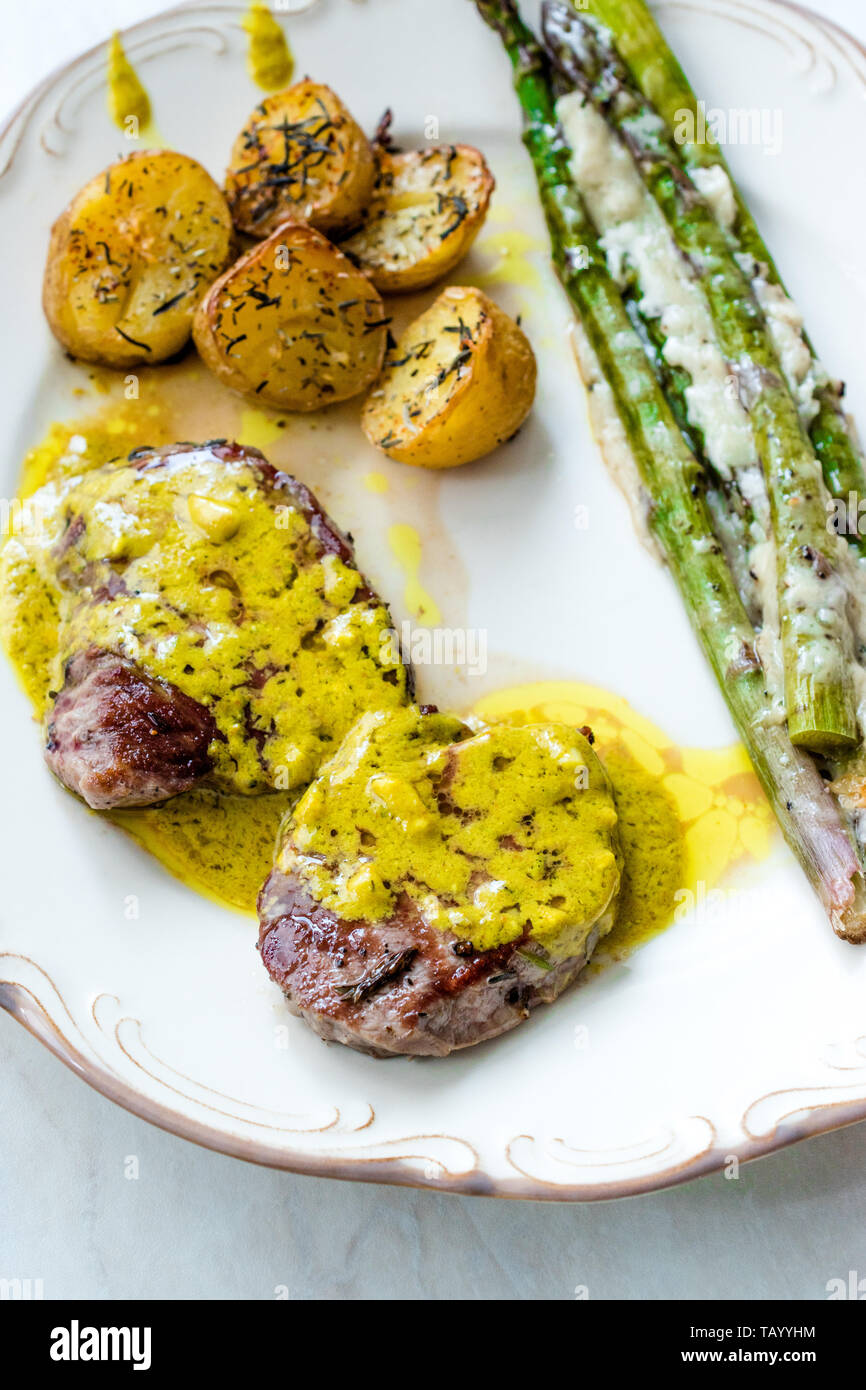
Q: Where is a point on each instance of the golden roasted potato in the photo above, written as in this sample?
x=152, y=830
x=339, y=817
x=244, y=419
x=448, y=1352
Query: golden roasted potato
x=460, y=381
x=426, y=210
x=130, y=257
x=293, y=323
x=302, y=157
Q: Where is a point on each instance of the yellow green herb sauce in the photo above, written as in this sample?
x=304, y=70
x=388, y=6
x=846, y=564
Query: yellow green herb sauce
x=126, y=95
x=485, y=832
x=269, y=58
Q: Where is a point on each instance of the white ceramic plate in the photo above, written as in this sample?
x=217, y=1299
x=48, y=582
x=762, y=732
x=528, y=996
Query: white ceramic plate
x=729, y=1036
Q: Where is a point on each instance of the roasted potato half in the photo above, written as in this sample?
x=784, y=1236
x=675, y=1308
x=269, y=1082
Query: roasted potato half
x=301, y=156
x=459, y=382
x=293, y=323
x=131, y=256
x=427, y=207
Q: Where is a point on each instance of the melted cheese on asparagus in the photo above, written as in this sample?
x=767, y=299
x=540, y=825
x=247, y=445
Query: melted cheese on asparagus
x=636, y=240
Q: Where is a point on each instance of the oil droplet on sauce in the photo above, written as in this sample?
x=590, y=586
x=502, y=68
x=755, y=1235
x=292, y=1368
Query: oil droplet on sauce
x=269, y=59
x=258, y=429
x=128, y=102
x=405, y=544
x=376, y=482
x=686, y=815
x=511, y=263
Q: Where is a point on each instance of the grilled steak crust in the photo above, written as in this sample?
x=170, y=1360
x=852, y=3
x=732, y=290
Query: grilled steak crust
x=116, y=737
x=397, y=987
x=270, y=678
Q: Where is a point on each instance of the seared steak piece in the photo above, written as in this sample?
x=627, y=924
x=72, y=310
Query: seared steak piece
x=434, y=884
x=399, y=987
x=210, y=623
x=119, y=738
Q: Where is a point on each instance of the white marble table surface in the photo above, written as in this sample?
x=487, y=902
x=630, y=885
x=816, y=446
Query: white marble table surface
x=198, y=1225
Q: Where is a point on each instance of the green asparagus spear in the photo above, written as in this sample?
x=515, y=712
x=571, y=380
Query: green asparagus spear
x=817, y=641
x=807, y=813
x=733, y=516
x=661, y=79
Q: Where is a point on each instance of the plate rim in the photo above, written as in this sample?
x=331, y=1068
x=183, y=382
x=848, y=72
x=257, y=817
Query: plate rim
x=35, y=1018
